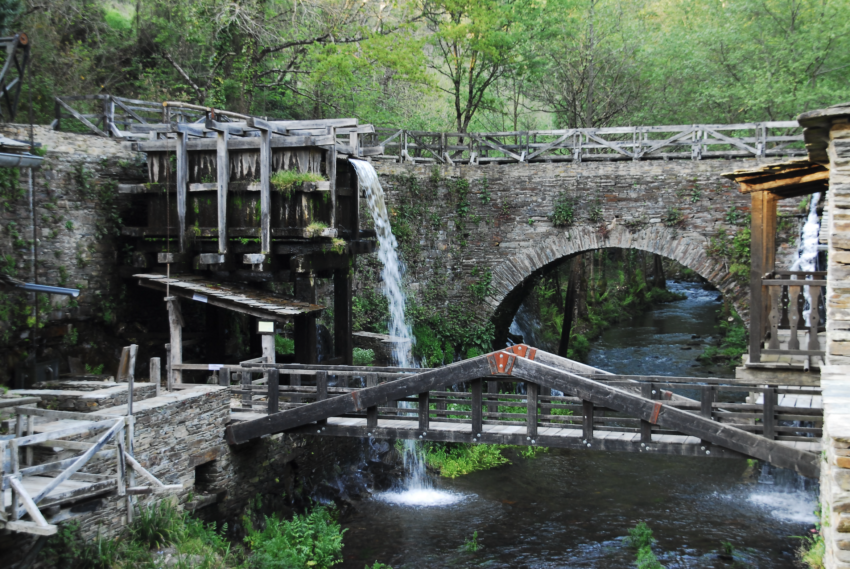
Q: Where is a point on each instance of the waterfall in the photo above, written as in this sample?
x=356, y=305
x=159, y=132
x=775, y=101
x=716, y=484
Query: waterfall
x=807, y=253
x=417, y=482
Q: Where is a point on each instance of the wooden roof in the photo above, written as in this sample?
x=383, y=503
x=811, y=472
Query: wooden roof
x=816, y=126
x=259, y=303
x=785, y=179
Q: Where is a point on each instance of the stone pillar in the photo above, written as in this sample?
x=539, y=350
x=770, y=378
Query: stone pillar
x=828, y=142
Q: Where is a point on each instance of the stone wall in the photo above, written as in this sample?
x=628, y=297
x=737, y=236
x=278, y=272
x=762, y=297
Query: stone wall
x=62, y=395
x=76, y=220
x=460, y=225
x=828, y=142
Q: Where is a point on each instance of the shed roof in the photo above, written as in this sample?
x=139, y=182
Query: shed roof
x=785, y=179
x=259, y=303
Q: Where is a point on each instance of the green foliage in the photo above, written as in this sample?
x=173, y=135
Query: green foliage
x=157, y=525
x=481, y=288
x=364, y=357
x=10, y=190
x=812, y=549
x=312, y=540
x=94, y=370
x=471, y=545
x=640, y=538
x=456, y=459
x=284, y=181
x=283, y=345
x=563, y=210
x=734, y=340
x=673, y=217
x=733, y=251
x=378, y=565
x=315, y=229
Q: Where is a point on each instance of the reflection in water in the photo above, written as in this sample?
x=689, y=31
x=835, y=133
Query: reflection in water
x=572, y=508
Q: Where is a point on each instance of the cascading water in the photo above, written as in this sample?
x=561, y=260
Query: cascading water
x=807, y=254
x=418, y=487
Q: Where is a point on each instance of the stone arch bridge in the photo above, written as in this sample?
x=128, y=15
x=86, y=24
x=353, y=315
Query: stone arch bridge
x=672, y=208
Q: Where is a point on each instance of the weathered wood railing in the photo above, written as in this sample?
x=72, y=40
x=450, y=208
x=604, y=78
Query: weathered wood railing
x=695, y=142
x=53, y=475
x=108, y=115
x=784, y=301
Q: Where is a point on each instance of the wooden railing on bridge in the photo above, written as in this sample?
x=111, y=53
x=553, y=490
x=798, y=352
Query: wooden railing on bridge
x=787, y=296
x=108, y=115
x=717, y=417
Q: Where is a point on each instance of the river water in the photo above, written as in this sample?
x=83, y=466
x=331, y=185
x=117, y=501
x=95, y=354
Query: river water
x=572, y=508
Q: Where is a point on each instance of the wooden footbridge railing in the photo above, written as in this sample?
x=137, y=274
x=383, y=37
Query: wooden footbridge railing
x=715, y=418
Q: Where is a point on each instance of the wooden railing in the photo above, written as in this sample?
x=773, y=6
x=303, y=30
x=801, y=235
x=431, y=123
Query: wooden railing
x=108, y=115
x=784, y=301
x=52, y=476
x=695, y=142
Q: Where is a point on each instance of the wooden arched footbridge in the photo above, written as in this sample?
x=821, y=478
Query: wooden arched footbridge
x=779, y=424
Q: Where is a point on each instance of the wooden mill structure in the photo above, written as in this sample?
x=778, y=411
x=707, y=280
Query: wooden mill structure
x=234, y=202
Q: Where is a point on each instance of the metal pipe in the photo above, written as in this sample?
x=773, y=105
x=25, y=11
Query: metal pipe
x=19, y=160
x=49, y=289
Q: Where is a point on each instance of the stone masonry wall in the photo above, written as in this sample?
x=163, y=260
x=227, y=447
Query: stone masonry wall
x=456, y=224
x=76, y=218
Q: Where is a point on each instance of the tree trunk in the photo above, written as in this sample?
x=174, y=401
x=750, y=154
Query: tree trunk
x=569, y=307
x=658, y=279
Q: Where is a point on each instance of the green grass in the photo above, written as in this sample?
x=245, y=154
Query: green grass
x=315, y=228
x=285, y=180
x=364, y=357
x=456, y=459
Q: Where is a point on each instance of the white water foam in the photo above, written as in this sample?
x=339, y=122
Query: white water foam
x=418, y=490
x=807, y=253
x=796, y=507
x=422, y=497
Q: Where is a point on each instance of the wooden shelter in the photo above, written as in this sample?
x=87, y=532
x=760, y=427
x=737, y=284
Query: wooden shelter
x=776, y=299
x=244, y=200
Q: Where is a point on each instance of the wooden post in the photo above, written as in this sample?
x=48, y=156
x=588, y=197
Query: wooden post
x=30, y=431
x=343, y=342
x=223, y=178
x=587, y=420
x=247, y=398
x=321, y=390
x=531, y=410
x=182, y=179
x=354, y=222
x=269, y=354
x=763, y=254
x=265, y=191
x=305, y=324
x=646, y=426
x=14, y=459
x=493, y=391
x=768, y=417
x=224, y=377
x=330, y=156
x=274, y=390
x=707, y=396
x=131, y=363
x=477, y=419
x=371, y=412
x=156, y=374
x=424, y=410
x=169, y=378
x=176, y=329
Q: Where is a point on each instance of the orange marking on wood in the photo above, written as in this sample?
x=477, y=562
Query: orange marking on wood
x=655, y=411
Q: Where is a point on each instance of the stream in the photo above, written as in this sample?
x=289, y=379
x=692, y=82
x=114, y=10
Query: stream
x=572, y=508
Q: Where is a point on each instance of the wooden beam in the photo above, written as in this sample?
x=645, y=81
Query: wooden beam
x=531, y=410
x=222, y=159
x=182, y=184
x=265, y=192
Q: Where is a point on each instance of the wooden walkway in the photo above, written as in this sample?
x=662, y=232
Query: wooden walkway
x=727, y=418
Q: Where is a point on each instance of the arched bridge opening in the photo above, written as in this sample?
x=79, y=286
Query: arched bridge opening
x=515, y=276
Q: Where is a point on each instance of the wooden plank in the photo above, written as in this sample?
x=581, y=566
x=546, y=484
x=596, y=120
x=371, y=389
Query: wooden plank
x=274, y=390
x=265, y=192
x=222, y=179
x=646, y=426
x=424, y=411
x=182, y=179
x=80, y=117
x=768, y=415
x=587, y=420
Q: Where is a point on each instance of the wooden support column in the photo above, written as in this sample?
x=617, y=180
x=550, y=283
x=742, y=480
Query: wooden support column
x=269, y=354
x=222, y=159
x=587, y=420
x=354, y=222
x=175, y=324
x=646, y=426
x=768, y=418
x=424, y=410
x=330, y=156
x=247, y=398
x=274, y=390
x=182, y=185
x=493, y=390
x=305, y=324
x=265, y=191
x=477, y=410
x=763, y=258
x=371, y=412
x=343, y=341
x=707, y=397
x=156, y=374
x=531, y=410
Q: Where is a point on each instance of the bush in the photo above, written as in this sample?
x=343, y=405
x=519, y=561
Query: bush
x=563, y=210
x=364, y=357
x=640, y=538
x=312, y=540
x=283, y=345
